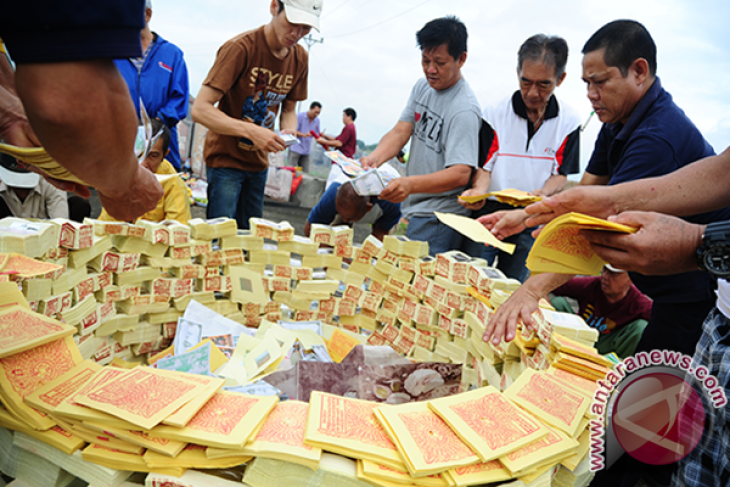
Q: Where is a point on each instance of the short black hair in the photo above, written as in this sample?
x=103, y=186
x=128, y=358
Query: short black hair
x=158, y=126
x=315, y=104
x=625, y=41
x=281, y=6
x=552, y=50
x=350, y=112
x=446, y=30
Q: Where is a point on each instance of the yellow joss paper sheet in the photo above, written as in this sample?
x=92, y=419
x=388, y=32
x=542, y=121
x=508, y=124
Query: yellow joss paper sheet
x=24, y=372
x=348, y=427
x=282, y=436
x=549, y=400
x=10, y=294
x=70, y=409
x=55, y=436
x=118, y=460
x=227, y=420
x=514, y=197
x=143, y=396
x=568, y=346
x=22, y=329
x=192, y=456
x=182, y=416
x=105, y=440
x=560, y=243
x=47, y=397
x=38, y=157
x=548, y=449
x=584, y=444
x=425, y=441
x=578, y=383
x=373, y=470
x=474, y=230
x=488, y=422
x=477, y=474
x=143, y=439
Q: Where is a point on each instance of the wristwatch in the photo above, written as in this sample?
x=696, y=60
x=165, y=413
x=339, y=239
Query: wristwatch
x=713, y=255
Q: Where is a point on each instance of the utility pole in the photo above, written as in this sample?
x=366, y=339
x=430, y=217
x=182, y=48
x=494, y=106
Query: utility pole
x=309, y=41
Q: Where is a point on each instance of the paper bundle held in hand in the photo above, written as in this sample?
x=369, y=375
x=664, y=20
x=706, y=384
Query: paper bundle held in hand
x=372, y=182
x=511, y=196
x=561, y=249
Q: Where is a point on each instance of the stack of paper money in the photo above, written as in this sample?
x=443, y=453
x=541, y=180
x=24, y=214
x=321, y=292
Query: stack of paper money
x=32, y=239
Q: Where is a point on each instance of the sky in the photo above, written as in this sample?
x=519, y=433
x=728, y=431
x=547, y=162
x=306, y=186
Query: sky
x=369, y=60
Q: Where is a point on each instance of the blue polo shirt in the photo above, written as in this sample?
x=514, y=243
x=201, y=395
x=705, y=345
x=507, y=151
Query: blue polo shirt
x=657, y=139
x=326, y=210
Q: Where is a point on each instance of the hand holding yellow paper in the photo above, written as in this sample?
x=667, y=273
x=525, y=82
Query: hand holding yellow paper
x=38, y=157
x=514, y=197
x=474, y=230
x=560, y=249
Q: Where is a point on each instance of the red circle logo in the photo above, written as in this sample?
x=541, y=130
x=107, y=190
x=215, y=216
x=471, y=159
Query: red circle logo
x=658, y=418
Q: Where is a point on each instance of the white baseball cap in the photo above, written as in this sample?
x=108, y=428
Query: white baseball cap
x=613, y=269
x=15, y=176
x=305, y=12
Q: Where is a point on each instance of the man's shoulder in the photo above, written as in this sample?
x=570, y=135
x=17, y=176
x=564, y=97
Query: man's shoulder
x=168, y=47
x=567, y=113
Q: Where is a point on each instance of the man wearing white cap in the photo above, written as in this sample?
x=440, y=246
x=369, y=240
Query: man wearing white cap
x=256, y=75
x=24, y=194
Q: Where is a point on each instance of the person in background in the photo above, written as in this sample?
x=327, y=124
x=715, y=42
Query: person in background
x=24, y=194
x=340, y=204
x=160, y=79
x=307, y=123
x=442, y=119
x=533, y=144
x=56, y=68
x=175, y=204
x=612, y=305
x=346, y=142
x=255, y=76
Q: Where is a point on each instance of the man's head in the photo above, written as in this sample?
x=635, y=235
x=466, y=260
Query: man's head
x=615, y=283
x=443, y=51
x=314, y=110
x=293, y=19
x=619, y=67
x=351, y=206
x=541, y=64
x=147, y=11
x=161, y=148
x=348, y=115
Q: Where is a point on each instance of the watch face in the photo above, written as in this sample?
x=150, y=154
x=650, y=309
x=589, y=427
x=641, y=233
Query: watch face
x=717, y=260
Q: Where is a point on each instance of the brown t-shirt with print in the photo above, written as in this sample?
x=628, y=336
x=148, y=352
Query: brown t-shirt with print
x=254, y=83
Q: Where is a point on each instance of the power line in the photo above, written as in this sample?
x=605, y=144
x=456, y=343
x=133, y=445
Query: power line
x=334, y=9
x=381, y=22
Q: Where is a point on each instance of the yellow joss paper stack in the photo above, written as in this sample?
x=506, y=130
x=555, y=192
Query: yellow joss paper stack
x=334, y=471
x=55, y=436
x=550, y=400
x=115, y=459
x=578, y=359
x=488, y=422
x=425, y=441
x=192, y=456
x=282, y=436
x=559, y=248
x=388, y=477
x=348, y=427
x=537, y=457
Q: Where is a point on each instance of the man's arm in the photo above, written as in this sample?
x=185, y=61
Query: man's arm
x=205, y=112
x=378, y=232
x=479, y=185
x=56, y=201
x=83, y=115
x=448, y=179
x=389, y=145
x=554, y=184
x=331, y=141
x=176, y=106
x=520, y=306
x=288, y=118
x=693, y=189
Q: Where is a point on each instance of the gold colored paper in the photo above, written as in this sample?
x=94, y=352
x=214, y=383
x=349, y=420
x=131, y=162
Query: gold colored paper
x=474, y=230
x=182, y=416
x=382, y=472
x=22, y=329
x=47, y=397
x=488, y=422
x=556, y=444
x=143, y=439
x=56, y=436
x=124, y=461
x=192, y=456
x=69, y=408
x=38, y=157
x=479, y=473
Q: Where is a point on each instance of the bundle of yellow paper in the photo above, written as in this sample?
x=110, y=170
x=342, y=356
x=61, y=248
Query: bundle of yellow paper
x=47, y=397
x=192, y=456
x=370, y=471
x=38, y=157
x=348, y=427
x=546, y=451
x=143, y=439
x=282, y=436
x=334, y=471
x=559, y=248
x=549, y=400
x=55, y=436
x=490, y=424
x=227, y=420
x=511, y=196
x=578, y=383
x=425, y=441
x=580, y=453
x=107, y=441
x=22, y=329
x=118, y=460
x=559, y=343
x=22, y=373
x=68, y=408
x=580, y=366
x=479, y=473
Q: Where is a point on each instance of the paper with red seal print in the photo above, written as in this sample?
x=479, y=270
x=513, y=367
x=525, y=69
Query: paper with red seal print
x=47, y=397
x=580, y=384
x=551, y=448
x=384, y=473
x=227, y=420
x=488, y=422
x=69, y=408
x=117, y=460
x=282, y=436
x=23, y=267
x=140, y=438
x=549, y=400
x=24, y=372
x=425, y=441
x=55, y=436
x=192, y=456
x=22, y=329
x=143, y=396
x=559, y=248
x=348, y=427
x=479, y=473
x=182, y=416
